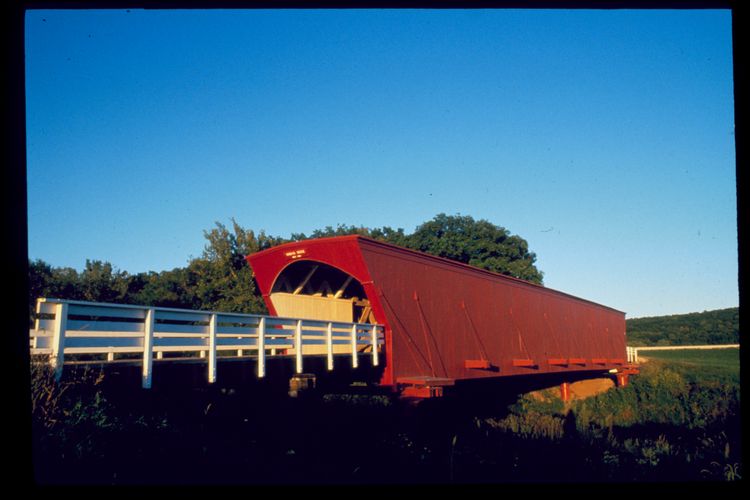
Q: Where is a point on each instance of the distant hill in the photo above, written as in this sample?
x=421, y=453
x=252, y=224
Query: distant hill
x=709, y=327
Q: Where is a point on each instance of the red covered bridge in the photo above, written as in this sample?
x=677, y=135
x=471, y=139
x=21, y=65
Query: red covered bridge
x=444, y=321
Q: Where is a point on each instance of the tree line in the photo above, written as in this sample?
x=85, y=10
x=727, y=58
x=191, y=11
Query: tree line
x=220, y=279
x=721, y=326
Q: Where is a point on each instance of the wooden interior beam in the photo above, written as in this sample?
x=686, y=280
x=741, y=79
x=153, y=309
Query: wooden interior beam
x=340, y=291
x=365, y=313
x=304, y=282
x=283, y=282
x=324, y=288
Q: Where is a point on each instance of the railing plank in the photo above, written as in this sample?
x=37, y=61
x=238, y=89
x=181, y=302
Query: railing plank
x=94, y=342
x=104, y=326
x=103, y=350
x=106, y=311
x=169, y=328
x=182, y=341
x=240, y=343
x=90, y=334
x=179, y=348
x=162, y=315
x=248, y=319
x=235, y=330
x=280, y=343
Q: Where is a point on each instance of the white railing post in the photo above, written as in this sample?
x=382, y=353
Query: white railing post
x=57, y=358
x=148, y=348
x=298, y=345
x=374, y=345
x=38, y=313
x=355, y=361
x=212, y=325
x=262, y=348
x=329, y=345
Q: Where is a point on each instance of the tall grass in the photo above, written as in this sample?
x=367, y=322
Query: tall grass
x=675, y=421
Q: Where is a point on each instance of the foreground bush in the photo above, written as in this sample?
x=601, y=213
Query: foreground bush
x=667, y=425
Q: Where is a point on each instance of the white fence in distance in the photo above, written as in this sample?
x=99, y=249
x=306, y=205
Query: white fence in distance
x=632, y=352
x=67, y=327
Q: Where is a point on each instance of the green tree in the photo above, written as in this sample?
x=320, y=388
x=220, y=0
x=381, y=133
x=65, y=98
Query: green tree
x=51, y=282
x=166, y=289
x=387, y=234
x=220, y=279
x=721, y=326
x=41, y=283
x=100, y=282
x=223, y=279
x=477, y=243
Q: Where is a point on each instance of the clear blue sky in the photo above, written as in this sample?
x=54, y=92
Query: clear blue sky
x=604, y=138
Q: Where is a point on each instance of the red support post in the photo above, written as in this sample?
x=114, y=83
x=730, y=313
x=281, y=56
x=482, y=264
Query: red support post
x=622, y=379
x=565, y=391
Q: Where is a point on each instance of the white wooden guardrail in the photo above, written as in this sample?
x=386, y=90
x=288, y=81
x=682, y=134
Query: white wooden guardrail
x=67, y=327
x=632, y=352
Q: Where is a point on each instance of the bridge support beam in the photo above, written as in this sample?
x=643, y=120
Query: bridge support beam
x=565, y=391
x=622, y=379
x=301, y=383
x=424, y=387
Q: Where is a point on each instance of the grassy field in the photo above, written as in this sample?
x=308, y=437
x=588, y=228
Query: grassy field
x=700, y=364
x=727, y=358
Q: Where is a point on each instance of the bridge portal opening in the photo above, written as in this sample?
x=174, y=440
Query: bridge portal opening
x=313, y=290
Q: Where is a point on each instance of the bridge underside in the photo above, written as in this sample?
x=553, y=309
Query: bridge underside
x=235, y=372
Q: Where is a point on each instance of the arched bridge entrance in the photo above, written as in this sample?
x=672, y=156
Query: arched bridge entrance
x=313, y=290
